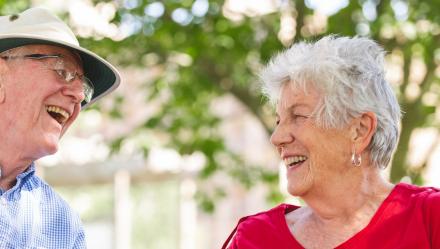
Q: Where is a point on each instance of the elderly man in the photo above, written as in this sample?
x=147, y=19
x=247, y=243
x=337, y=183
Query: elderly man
x=46, y=78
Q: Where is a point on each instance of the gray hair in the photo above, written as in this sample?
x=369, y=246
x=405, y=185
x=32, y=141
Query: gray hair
x=349, y=73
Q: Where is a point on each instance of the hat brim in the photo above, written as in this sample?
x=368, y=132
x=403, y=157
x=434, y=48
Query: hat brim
x=104, y=76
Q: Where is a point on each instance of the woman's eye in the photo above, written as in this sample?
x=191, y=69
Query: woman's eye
x=299, y=116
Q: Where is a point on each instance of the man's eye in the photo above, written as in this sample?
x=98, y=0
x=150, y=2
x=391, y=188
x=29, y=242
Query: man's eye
x=61, y=72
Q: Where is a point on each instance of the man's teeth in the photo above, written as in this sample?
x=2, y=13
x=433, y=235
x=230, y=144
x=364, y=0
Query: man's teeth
x=59, y=114
x=294, y=159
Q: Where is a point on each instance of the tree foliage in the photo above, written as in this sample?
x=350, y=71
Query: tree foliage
x=201, y=57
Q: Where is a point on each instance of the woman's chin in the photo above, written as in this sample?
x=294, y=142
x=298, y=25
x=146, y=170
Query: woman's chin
x=298, y=185
x=297, y=179
x=296, y=190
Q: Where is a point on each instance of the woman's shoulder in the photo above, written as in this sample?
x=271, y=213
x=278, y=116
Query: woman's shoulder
x=267, y=229
x=272, y=216
x=427, y=198
x=417, y=192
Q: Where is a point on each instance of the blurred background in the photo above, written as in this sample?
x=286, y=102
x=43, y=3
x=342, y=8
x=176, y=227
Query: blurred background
x=181, y=150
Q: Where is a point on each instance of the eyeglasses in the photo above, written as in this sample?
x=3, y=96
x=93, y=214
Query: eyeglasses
x=60, y=68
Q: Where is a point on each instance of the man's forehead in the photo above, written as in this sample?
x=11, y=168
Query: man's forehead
x=51, y=49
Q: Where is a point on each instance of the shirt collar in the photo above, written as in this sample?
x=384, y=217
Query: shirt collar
x=29, y=171
x=21, y=179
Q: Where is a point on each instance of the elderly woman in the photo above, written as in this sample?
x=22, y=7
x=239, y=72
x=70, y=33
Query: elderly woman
x=337, y=127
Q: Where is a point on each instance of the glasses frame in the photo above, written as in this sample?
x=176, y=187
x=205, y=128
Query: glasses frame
x=65, y=74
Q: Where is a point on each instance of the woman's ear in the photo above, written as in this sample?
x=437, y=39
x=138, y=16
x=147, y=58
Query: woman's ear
x=362, y=130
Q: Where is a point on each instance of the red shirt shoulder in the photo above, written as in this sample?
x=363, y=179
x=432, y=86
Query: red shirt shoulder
x=266, y=229
x=408, y=218
x=428, y=198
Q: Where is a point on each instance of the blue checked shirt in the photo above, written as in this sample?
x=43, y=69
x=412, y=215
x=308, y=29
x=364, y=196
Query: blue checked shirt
x=33, y=216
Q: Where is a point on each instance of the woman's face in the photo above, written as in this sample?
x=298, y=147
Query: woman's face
x=316, y=158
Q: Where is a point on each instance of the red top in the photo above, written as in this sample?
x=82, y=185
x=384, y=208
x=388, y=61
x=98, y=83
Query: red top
x=408, y=218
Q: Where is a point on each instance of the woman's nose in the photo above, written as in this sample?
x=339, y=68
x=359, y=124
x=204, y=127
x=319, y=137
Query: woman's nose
x=281, y=135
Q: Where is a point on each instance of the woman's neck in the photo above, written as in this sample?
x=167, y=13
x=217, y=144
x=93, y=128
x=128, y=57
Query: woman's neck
x=345, y=199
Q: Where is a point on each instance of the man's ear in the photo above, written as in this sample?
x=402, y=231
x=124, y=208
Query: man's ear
x=362, y=131
x=2, y=85
x=2, y=93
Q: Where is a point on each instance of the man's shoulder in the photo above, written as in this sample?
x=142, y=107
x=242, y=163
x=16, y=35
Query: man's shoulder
x=55, y=217
x=50, y=198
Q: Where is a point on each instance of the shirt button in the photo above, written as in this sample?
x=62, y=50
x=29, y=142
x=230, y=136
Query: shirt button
x=4, y=201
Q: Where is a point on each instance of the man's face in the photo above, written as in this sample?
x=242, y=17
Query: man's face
x=39, y=105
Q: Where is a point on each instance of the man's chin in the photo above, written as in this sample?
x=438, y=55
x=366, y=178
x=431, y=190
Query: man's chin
x=64, y=129
x=50, y=147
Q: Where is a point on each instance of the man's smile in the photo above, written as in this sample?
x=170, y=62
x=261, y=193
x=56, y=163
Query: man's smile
x=58, y=113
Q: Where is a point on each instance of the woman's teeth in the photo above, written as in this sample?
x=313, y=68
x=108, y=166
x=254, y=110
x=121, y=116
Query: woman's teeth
x=290, y=161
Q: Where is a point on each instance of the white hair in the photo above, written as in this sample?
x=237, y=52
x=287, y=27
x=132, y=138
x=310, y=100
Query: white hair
x=349, y=73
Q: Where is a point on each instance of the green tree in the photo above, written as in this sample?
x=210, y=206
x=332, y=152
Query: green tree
x=198, y=56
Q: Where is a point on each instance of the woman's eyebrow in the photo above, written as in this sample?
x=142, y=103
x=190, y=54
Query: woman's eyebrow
x=295, y=106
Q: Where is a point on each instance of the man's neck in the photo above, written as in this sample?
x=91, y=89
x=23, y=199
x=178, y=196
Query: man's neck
x=11, y=165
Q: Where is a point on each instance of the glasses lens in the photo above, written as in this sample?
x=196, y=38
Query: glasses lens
x=88, y=89
x=60, y=67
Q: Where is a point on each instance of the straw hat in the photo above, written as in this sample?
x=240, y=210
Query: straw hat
x=39, y=26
